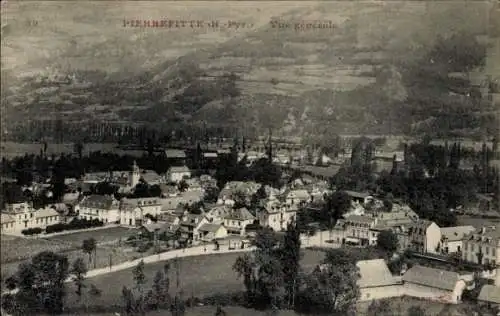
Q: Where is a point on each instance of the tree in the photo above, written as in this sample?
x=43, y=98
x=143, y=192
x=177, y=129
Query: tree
x=128, y=298
x=388, y=205
x=183, y=185
x=161, y=284
x=41, y=284
x=94, y=291
x=78, y=270
x=244, y=267
x=416, y=311
x=220, y=312
x=78, y=148
x=332, y=287
x=140, y=281
x=388, y=241
x=290, y=261
x=262, y=270
x=89, y=246
x=380, y=307
x=211, y=194
x=337, y=204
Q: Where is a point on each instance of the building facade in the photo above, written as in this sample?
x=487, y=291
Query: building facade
x=424, y=237
x=482, y=246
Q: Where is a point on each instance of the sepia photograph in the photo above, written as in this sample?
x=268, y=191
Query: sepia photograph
x=250, y=158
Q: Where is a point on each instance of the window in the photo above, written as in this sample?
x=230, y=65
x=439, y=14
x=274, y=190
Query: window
x=487, y=250
x=31, y=215
x=493, y=251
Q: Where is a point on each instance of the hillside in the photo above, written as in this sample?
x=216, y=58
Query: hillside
x=384, y=67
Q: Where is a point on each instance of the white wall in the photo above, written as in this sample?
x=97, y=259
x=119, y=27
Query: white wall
x=421, y=291
x=380, y=292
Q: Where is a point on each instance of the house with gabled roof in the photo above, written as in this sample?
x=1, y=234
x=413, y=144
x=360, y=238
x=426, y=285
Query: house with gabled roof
x=175, y=174
x=210, y=232
x=189, y=227
x=276, y=214
x=424, y=236
x=134, y=210
x=102, y=207
x=451, y=238
x=434, y=284
x=236, y=221
x=8, y=224
x=297, y=197
x=376, y=281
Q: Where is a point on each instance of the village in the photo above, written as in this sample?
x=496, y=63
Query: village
x=189, y=211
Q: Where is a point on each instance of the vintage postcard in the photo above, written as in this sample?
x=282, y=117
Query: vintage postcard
x=250, y=158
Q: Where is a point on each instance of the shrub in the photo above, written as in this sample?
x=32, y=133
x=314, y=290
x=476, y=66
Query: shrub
x=76, y=223
x=32, y=231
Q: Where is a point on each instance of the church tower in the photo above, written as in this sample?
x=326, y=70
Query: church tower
x=134, y=175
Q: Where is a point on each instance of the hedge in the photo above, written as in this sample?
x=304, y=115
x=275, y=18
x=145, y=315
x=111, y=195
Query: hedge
x=74, y=224
x=32, y=231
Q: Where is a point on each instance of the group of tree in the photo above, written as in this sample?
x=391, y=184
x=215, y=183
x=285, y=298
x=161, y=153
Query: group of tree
x=430, y=181
x=139, y=300
x=274, y=279
x=41, y=285
x=263, y=171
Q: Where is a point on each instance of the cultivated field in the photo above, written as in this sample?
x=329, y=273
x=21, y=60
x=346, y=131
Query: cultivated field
x=200, y=276
x=17, y=248
x=104, y=254
x=105, y=235
x=13, y=149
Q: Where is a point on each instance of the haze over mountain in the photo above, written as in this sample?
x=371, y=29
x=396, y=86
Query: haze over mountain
x=395, y=67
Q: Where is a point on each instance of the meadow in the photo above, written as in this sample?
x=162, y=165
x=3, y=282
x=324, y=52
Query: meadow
x=199, y=276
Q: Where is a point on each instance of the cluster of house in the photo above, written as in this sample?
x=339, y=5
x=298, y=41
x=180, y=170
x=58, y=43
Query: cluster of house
x=170, y=210
x=226, y=219
x=377, y=282
x=368, y=217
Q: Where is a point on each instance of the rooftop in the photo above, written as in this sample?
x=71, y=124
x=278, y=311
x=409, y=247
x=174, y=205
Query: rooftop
x=489, y=293
x=435, y=278
x=175, y=153
x=456, y=233
x=211, y=228
x=98, y=201
x=374, y=273
x=241, y=214
x=359, y=195
x=360, y=219
x=178, y=169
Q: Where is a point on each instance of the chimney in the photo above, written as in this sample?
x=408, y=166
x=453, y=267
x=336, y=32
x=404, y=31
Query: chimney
x=483, y=230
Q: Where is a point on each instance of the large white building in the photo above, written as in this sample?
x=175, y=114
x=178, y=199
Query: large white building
x=133, y=211
x=20, y=216
x=482, y=246
x=276, y=214
x=102, y=207
x=177, y=174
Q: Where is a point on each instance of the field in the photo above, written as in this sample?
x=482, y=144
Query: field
x=13, y=149
x=200, y=276
x=17, y=248
x=104, y=253
x=105, y=235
